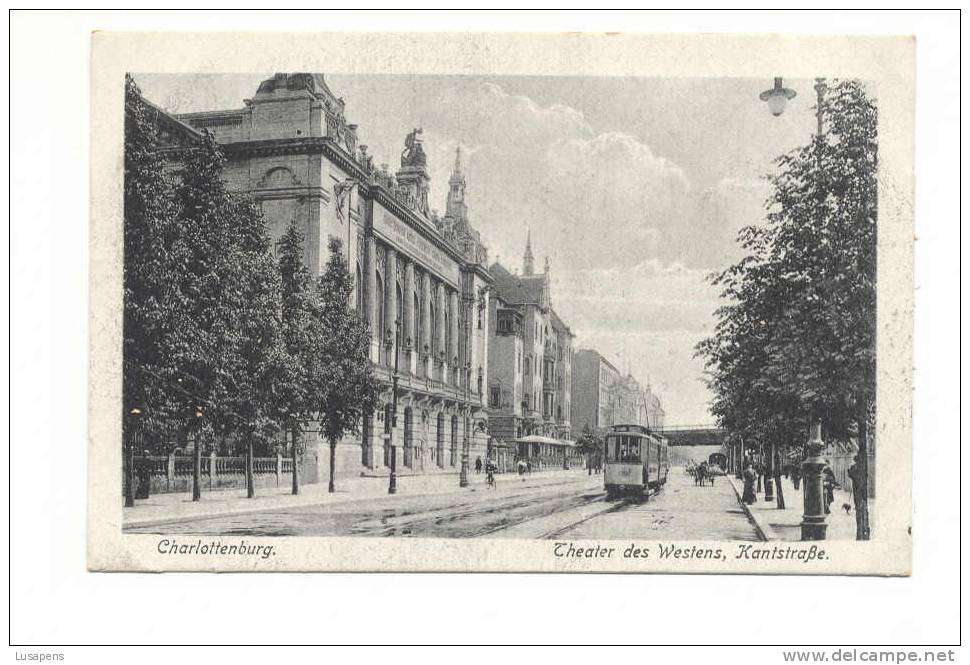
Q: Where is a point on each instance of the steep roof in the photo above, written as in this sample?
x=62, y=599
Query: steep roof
x=558, y=324
x=518, y=289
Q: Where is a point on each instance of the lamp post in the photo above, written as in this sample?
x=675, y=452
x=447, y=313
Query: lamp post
x=769, y=466
x=777, y=97
x=463, y=474
x=813, y=517
x=129, y=456
x=296, y=451
x=197, y=457
x=739, y=466
x=392, y=479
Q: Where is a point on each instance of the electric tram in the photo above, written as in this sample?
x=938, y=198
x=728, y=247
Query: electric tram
x=637, y=460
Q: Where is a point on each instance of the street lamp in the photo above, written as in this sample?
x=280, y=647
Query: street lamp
x=813, y=519
x=463, y=474
x=777, y=97
x=392, y=480
x=134, y=426
x=197, y=457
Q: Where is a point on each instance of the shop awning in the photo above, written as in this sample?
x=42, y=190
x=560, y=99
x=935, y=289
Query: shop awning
x=535, y=438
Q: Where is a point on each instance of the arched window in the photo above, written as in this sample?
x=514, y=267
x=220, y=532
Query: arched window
x=400, y=308
x=408, y=437
x=434, y=330
x=454, y=441
x=416, y=314
x=440, y=440
x=379, y=326
x=365, y=439
x=388, y=411
x=447, y=336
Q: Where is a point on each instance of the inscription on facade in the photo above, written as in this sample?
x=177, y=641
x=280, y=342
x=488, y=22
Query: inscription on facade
x=412, y=243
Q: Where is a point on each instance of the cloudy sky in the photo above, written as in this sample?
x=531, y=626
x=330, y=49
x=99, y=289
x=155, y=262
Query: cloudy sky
x=633, y=188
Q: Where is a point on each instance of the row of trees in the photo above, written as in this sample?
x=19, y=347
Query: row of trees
x=223, y=338
x=795, y=341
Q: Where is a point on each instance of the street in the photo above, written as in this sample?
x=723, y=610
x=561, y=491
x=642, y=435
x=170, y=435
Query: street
x=576, y=508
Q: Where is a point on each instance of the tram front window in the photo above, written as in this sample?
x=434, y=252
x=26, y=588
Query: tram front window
x=625, y=449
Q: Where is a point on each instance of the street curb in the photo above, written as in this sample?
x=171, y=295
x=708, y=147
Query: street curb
x=309, y=501
x=765, y=532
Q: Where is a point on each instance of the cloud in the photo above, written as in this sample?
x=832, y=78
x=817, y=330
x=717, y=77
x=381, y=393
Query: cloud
x=629, y=236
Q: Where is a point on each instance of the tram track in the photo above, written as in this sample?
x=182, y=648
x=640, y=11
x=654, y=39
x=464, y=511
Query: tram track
x=494, y=515
x=563, y=520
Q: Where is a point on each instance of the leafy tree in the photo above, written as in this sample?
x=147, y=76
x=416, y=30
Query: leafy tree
x=341, y=379
x=228, y=347
x=300, y=337
x=590, y=445
x=796, y=340
x=202, y=309
x=149, y=219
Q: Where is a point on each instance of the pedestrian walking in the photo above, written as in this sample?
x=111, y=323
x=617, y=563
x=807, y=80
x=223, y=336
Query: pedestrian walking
x=750, y=476
x=829, y=483
x=478, y=465
x=489, y=474
x=143, y=471
x=796, y=474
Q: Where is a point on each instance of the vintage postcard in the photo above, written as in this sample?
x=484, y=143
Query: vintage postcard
x=501, y=302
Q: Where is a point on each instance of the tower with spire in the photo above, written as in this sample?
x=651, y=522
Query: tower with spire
x=528, y=261
x=455, y=207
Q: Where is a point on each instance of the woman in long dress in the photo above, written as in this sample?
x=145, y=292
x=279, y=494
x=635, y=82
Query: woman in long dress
x=750, y=477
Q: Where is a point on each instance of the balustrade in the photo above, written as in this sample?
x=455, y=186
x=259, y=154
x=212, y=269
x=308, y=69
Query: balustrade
x=169, y=472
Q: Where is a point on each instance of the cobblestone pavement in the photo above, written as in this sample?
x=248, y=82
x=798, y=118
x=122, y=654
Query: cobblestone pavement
x=576, y=507
x=680, y=511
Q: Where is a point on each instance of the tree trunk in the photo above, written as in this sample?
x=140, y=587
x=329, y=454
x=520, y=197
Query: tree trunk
x=250, y=489
x=333, y=454
x=129, y=453
x=296, y=471
x=776, y=465
x=197, y=470
x=860, y=480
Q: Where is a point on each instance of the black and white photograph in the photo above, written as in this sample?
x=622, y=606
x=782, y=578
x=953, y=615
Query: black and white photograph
x=502, y=332
x=500, y=307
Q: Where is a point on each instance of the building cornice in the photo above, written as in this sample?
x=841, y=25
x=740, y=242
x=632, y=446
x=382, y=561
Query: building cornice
x=304, y=145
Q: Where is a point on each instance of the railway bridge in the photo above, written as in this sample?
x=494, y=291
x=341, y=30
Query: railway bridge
x=693, y=443
x=694, y=435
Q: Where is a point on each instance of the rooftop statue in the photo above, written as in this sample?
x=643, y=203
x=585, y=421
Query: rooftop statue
x=413, y=153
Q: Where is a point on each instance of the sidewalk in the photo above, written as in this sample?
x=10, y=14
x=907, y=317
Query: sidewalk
x=162, y=508
x=775, y=524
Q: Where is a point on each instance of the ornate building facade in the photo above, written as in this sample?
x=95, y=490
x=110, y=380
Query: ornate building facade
x=530, y=356
x=421, y=281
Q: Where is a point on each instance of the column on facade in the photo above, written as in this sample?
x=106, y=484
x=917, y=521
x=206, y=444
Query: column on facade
x=439, y=342
x=390, y=298
x=409, y=316
x=426, y=341
x=453, y=323
x=370, y=288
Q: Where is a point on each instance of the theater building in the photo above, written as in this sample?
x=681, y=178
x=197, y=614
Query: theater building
x=421, y=280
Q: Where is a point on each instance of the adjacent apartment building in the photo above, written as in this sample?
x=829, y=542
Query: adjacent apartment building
x=602, y=396
x=530, y=356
